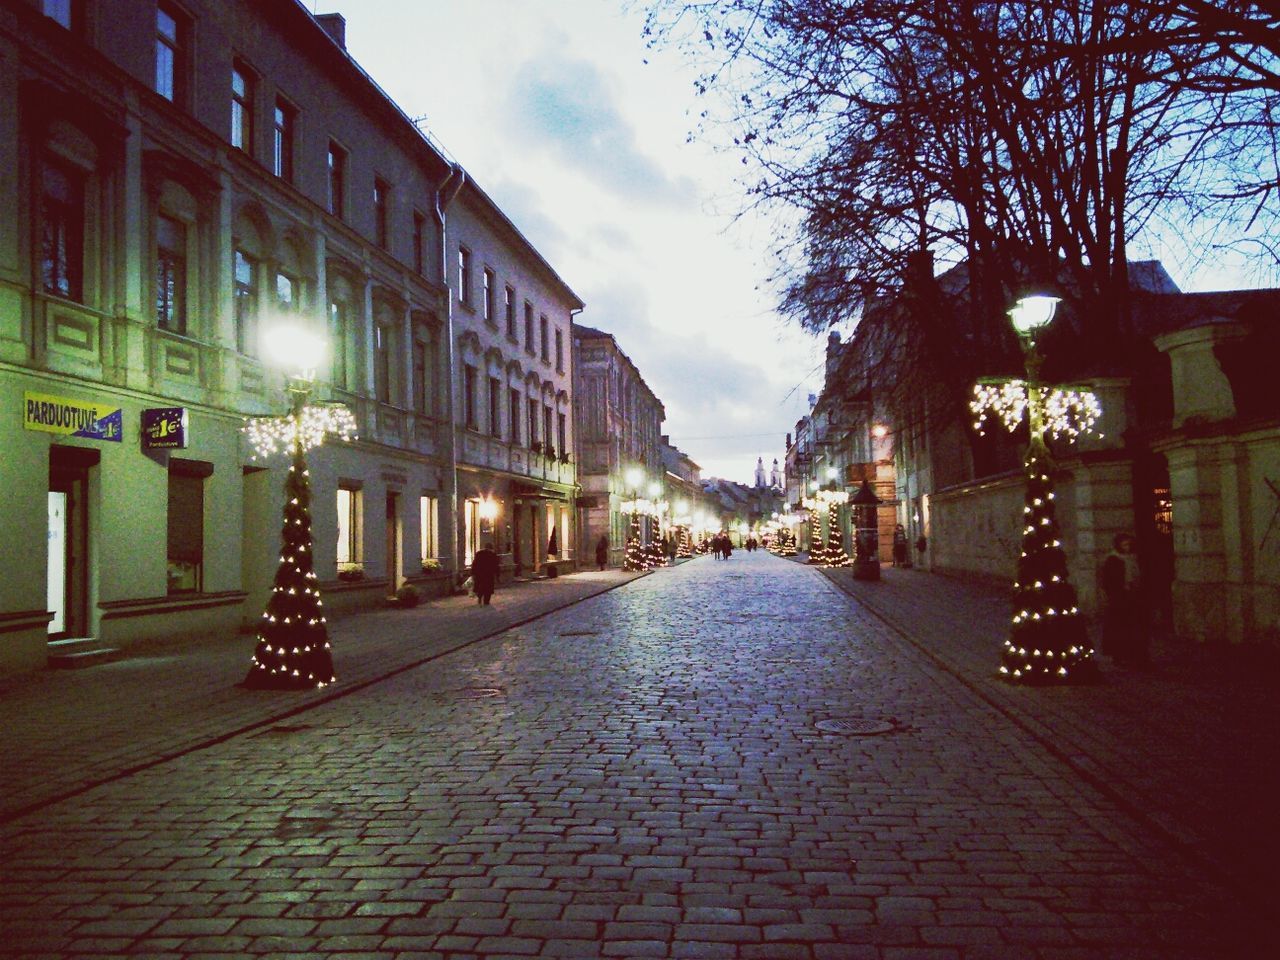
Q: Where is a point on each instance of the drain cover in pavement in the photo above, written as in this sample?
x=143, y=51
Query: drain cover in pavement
x=855, y=726
x=478, y=693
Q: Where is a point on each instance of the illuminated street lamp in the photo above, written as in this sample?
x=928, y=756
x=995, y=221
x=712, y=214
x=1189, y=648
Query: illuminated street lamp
x=634, y=558
x=293, y=651
x=1047, y=643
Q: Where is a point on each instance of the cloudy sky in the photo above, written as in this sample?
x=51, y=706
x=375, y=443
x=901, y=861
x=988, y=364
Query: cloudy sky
x=551, y=107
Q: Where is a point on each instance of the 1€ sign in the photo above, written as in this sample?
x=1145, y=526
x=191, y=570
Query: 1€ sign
x=164, y=428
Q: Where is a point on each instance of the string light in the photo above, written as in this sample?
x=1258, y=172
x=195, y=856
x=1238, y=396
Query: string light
x=269, y=435
x=1068, y=412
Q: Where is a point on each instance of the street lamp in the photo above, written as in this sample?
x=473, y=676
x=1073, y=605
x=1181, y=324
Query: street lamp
x=293, y=651
x=634, y=559
x=1047, y=643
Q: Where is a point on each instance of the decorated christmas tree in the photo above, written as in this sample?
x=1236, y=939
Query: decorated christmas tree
x=293, y=651
x=1048, y=643
x=834, y=555
x=635, y=557
x=655, y=555
x=684, y=549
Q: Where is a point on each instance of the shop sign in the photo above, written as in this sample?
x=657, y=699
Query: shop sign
x=164, y=428
x=72, y=418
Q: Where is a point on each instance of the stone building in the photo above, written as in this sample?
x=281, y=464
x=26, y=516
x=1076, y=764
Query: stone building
x=619, y=429
x=168, y=195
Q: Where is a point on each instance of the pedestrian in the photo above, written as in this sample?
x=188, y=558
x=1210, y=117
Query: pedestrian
x=1124, y=627
x=484, y=573
x=602, y=551
x=900, y=546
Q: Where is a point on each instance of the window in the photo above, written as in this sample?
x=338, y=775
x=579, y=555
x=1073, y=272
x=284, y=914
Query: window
x=531, y=412
x=423, y=390
x=559, y=350
x=380, y=190
x=338, y=321
x=495, y=406
x=171, y=274
x=510, y=304
x=562, y=436
x=469, y=395
x=429, y=519
x=62, y=12
x=286, y=293
x=488, y=295
x=419, y=242
x=464, y=275
x=546, y=430
x=246, y=303
x=348, y=546
x=62, y=233
x=528, y=327
x=282, y=148
x=337, y=179
x=544, y=346
x=169, y=60
x=186, y=525
x=382, y=363
x=513, y=414
x=241, y=108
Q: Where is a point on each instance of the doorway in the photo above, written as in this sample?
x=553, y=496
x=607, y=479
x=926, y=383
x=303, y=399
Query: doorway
x=68, y=541
x=393, y=539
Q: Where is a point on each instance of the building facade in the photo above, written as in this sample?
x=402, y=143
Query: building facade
x=619, y=430
x=169, y=194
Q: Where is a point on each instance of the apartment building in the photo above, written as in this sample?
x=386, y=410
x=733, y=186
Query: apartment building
x=177, y=178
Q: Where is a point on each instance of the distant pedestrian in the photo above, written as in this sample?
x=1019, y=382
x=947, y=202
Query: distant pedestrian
x=602, y=551
x=484, y=573
x=900, y=547
x=1124, y=627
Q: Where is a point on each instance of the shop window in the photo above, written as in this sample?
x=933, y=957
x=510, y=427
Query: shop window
x=186, y=525
x=348, y=554
x=62, y=232
x=429, y=526
x=171, y=274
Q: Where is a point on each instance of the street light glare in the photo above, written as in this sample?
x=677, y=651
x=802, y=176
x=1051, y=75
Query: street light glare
x=294, y=348
x=1032, y=313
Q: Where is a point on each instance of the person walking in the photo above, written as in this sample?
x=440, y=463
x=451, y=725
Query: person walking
x=1124, y=628
x=602, y=551
x=900, y=546
x=484, y=573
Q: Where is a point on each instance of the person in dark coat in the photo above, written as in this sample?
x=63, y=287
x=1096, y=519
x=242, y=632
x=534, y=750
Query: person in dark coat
x=1124, y=626
x=484, y=573
x=602, y=552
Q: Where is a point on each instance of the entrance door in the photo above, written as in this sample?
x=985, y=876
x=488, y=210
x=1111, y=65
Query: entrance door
x=68, y=539
x=393, y=538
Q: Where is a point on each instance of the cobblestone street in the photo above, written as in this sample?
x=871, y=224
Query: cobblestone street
x=644, y=773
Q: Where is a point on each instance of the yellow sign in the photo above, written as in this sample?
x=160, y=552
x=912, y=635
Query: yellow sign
x=72, y=418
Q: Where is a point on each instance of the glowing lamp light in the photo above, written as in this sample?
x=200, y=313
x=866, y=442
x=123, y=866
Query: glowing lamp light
x=634, y=476
x=655, y=488
x=1033, y=313
x=879, y=431
x=488, y=509
x=294, y=348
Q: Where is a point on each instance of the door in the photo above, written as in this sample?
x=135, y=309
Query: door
x=68, y=541
x=393, y=539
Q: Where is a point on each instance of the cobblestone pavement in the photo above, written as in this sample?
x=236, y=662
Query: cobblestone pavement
x=643, y=774
x=1189, y=746
x=66, y=730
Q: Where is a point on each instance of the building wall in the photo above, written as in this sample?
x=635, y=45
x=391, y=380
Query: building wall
x=80, y=104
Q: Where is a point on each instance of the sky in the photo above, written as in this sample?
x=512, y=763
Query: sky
x=551, y=107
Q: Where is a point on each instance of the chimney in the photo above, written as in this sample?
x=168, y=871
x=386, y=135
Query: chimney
x=335, y=25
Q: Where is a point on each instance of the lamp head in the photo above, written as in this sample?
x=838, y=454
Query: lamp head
x=294, y=348
x=633, y=476
x=879, y=431
x=1031, y=314
x=655, y=488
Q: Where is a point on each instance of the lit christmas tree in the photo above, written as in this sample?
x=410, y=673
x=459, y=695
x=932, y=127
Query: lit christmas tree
x=293, y=651
x=635, y=557
x=685, y=549
x=1048, y=642
x=834, y=555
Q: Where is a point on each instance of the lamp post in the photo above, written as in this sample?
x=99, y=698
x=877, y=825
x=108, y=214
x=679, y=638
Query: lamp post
x=293, y=651
x=634, y=557
x=1047, y=643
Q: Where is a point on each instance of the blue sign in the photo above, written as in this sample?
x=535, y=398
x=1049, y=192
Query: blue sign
x=164, y=428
